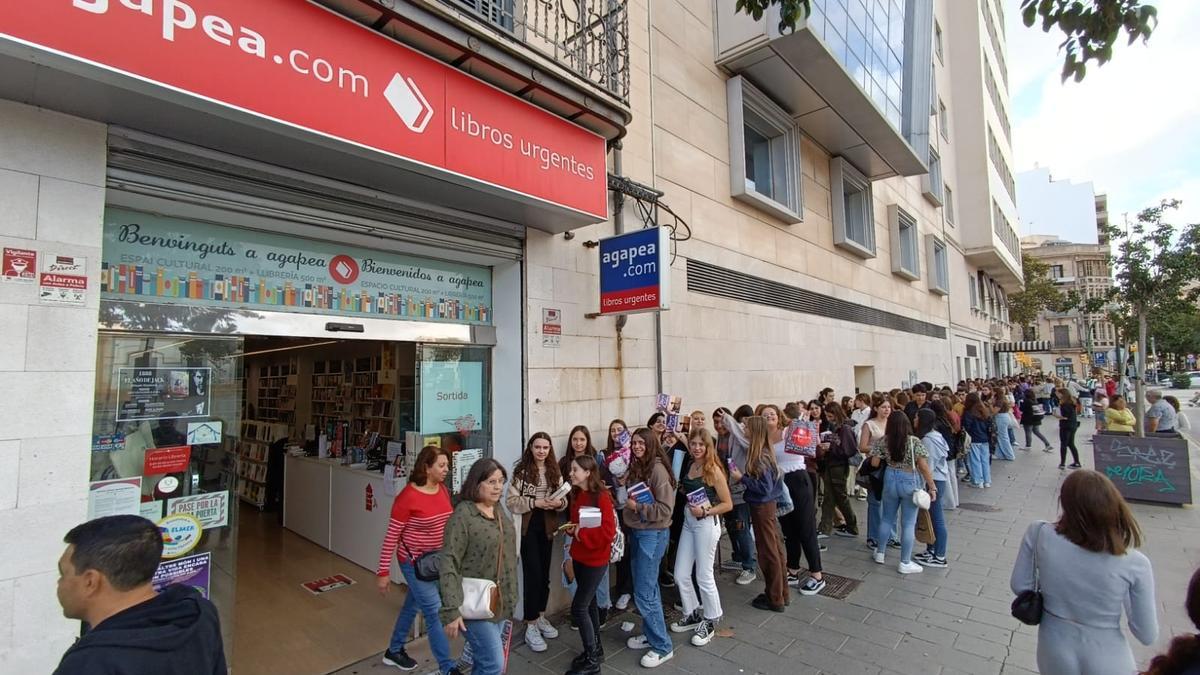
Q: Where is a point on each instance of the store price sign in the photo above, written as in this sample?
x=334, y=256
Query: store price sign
x=167, y=460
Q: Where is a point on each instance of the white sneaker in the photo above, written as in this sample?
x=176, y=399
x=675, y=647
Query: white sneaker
x=877, y=556
x=533, y=638
x=623, y=602
x=653, y=659
x=546, y=628
x=746, y=577
x=910, y=568
x=638, y=642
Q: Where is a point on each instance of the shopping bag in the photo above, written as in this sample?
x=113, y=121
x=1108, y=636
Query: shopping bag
x=925, y=527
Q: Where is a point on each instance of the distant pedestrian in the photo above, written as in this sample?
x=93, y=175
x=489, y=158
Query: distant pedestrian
x=591, y=547
x=1183, y=655
x=763, y=481
x=872, y=435
x=1099, y=408
x=1161, y=415
x=650, y=524
x=938, y=449
x=1032, y=412
x=104, y=580
x=977, y=423
x=907, y=471
x=841, y=448
x=1068, y=424
x=737, y=521
x=1005, y=425
x=1181, y=420
x=1118, y=417
x=1089, y=571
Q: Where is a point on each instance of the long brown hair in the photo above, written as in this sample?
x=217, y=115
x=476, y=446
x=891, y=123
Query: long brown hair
x=1184, y=650
x=759, y=454
x=897, y=433
x=610, y=445
x=564, y=464
x=784, y=420
x=426, y=459
x=1095, y=516
x=710, y=465
x=526, y=468
x=641, y=468
x=593, y=485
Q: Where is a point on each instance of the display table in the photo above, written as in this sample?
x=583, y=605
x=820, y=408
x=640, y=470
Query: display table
x=339, y=508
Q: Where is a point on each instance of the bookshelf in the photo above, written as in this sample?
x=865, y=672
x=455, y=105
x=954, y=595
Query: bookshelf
x=253, y=443
x=276, y=393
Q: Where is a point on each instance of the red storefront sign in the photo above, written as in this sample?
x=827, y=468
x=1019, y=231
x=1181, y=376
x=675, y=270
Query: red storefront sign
x=305, y=66
x=167, y=460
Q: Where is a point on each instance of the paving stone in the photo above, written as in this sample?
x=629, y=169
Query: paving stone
x=753, y=660
x=968, y=627
x=828, y=660
x=984, y=648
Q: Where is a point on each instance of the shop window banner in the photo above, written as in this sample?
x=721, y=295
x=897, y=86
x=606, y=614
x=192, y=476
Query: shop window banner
x=194, y=571
x=451, y=396
x=210, y=508
x=156, y=393
x=168, y=260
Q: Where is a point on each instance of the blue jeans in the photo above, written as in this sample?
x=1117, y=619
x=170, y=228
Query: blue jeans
x=737, y=523
x=938, y=516
x=649, y=547
x=1005, y=433
x=979, y=464
x=423, y=596
x=875, y=517
x=898, y=488
x=486, y=648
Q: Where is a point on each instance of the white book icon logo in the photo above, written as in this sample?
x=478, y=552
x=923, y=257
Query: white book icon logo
x=408, y=102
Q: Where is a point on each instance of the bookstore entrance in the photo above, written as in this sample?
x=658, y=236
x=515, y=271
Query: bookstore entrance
x=261, y=396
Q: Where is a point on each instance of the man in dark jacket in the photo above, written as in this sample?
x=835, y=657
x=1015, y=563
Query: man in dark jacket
x=129, y=628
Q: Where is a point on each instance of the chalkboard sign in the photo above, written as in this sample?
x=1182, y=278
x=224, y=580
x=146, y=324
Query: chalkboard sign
x=1150, y=469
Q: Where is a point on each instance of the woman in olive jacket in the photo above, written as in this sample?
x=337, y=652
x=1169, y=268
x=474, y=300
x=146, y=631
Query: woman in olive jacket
x=478, y=543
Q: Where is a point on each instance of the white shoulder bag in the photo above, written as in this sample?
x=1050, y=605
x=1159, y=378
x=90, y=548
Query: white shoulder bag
x=481, y=597
x=920, y=497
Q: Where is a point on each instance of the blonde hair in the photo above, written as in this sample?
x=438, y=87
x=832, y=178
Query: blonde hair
x=759, y=454
x=710, y=465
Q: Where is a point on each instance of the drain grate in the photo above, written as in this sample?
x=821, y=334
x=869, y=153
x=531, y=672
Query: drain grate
x=972, y=506
x=837, y=587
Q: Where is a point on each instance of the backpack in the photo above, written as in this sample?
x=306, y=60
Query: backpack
x=618, y=545
x=962, y=441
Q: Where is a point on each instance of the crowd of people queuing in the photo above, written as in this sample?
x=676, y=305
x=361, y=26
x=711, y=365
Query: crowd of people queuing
x=665, y=496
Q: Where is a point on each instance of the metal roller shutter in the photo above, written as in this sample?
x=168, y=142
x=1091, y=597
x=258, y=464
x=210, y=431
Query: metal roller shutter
x=141, y=166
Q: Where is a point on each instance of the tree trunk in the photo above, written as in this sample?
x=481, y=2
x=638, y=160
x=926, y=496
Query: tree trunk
x=1139, y=410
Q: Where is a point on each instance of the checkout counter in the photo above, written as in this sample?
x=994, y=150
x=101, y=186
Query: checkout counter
x=338, y=507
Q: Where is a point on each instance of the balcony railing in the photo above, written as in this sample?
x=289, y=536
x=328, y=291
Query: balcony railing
x=589, y=37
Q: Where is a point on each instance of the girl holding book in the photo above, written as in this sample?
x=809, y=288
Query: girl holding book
x=648, y=516
x=532, y=495
x=580, y=443
x=707, y=497
x=591, y=546
x=758, y=472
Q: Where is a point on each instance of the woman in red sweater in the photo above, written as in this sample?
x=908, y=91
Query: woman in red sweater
x=419, y=516
x=590, y=552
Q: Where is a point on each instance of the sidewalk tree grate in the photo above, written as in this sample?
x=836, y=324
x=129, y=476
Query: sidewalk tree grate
x=972, y=506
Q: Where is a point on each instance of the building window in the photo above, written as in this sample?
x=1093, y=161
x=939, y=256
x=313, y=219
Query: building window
x=973, y=292
x=949, y=204
x=906, y=260
x=764, y=151
x=937, y=42
x=853, y=220
x=931, y=183
x=943, y=121
x=1062, y=337
x=939, y=265
x=1056, y=271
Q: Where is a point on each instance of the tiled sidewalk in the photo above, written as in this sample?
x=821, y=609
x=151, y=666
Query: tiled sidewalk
x=942, y=621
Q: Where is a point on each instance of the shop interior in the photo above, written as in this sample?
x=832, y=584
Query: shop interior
x=310, y=429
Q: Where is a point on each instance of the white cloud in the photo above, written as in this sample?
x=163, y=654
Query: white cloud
x=1125, y=126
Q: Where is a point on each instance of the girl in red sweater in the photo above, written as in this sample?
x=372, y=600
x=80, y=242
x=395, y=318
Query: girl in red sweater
x=590, y=552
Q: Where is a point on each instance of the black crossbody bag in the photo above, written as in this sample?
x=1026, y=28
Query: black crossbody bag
x=1027, y=606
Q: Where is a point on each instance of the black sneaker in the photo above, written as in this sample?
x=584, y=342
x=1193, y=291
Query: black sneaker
x=933, y=561
x=1076, y=465
x=793, y=579
x=399, y=659
x=688, y=623
x=763, y=603
x=843, y=531
x=894, y=543
x=666, y=580
x=812, y=586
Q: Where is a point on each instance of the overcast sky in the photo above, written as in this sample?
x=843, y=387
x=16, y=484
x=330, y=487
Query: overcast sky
x=1131, y=127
